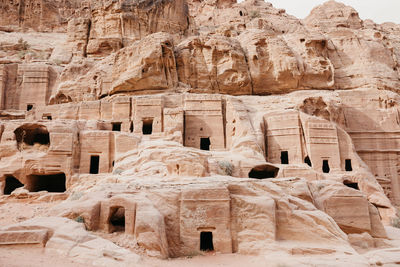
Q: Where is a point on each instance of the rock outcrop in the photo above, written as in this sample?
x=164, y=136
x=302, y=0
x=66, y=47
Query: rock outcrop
x=170, y=128
x=154, y=69
x=216, y=64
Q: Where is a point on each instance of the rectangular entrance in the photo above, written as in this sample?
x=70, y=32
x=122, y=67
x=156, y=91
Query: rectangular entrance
x=116, y=126
x=94, y=164
x=205, y=143
x=284, y=157
x=348, y=166
x=147, y=128
x=117, y=219
x=325, y=166
x=206, y=241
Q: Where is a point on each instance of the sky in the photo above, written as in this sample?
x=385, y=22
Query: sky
x=378, y=10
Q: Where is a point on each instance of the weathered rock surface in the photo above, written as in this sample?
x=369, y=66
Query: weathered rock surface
x=118, y=23
x=215, y=64
x=71, y=240
x=170, y=128
x=41, y=16
x=154, y=69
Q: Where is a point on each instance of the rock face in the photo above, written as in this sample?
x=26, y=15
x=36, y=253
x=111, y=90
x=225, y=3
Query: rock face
x=40, y=15
x=362, y=55
x=334, y=15
x=272, y=61
x=154, y=69
x=65, y=235
x=118, y=23
x=216, y=64
x=170, y=128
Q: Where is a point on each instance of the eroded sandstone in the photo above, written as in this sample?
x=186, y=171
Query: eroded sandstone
x=171, y=128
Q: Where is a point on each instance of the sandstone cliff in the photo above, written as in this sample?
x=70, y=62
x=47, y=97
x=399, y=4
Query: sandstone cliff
x=172, y=128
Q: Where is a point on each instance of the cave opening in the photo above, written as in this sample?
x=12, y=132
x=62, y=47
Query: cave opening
x=117, y=219
x=325, y=166
x=205, y=143
x=31, y=134
x=351, y=185
x=11, y=183
x=284, y=157
x=308, y=161
x=147, y=128
x=47, y=116
x=116, y=126
x=94, y=164
x=263, y=172
x=348, y=165
x=206, y=241
x=54, y=183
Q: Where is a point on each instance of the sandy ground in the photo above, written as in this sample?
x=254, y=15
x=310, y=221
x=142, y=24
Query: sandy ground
x=29, y=256
x=23, y=256
x=20, y=256
x=35, y=256
x=18, y=211
x=231, y=260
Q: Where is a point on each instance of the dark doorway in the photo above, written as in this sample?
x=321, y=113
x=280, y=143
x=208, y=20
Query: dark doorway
x=50, y=183
x=31, y=134
x=206, y=241
x=116, y=126
x=348, y=166
x=263, y=172
x=205, y=143
x=308, y=161
x=351, y=185
x=117, y=219
x=29, y=107
x=284, y=157
x=325, y=166
x=147, y=126
x=12, y=183
x=41, y=138
x=94, y=164
x=47, y=117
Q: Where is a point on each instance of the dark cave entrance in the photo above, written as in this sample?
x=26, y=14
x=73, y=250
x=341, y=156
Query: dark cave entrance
x=325, y=166
x=308, y=161
x=116, y=126
x=94, y=164
x=31, y=134
x=206, y=241
x=351, y=185
x=117, y=219
x=348, y=166
x=54, y=183
x=147, y=128
x=284, y=157
x=11, y=183
x=264, y=172
x=205, y=143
